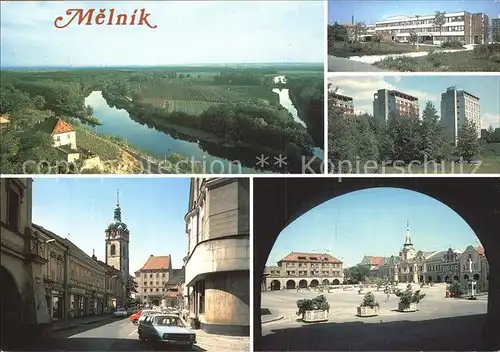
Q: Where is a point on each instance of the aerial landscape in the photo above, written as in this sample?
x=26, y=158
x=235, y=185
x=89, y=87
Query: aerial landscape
x=238, y=101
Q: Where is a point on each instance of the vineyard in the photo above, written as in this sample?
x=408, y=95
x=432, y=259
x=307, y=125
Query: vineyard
x=189, y=97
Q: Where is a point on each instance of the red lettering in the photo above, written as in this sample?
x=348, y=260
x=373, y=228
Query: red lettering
x=75, y=13
x=144, y=19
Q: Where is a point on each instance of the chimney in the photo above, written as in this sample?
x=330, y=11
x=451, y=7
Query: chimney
x=352, y=19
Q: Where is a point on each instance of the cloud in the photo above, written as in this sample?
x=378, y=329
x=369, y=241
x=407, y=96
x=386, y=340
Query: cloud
x=488, y=120
x=362, y=89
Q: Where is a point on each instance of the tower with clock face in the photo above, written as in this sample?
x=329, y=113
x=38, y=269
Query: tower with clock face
x=117, y=242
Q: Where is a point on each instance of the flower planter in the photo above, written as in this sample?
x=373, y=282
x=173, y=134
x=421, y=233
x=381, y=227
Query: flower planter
x=314, y=316
x=412, y=308
x=367, y=311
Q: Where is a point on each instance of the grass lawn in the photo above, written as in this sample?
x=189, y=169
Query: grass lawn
x=460, y=61
x=489, y=165
x=341, y=49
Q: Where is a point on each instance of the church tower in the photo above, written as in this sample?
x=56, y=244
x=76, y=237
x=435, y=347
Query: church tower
x=117, y=241
x=408, y=251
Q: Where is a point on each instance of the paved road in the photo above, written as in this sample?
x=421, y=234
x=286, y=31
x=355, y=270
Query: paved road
x=340, y=64
x=441, y=324
x=121, y=335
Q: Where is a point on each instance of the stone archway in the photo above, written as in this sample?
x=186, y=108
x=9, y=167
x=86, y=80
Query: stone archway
x=303, y=283
x=336, y=282
x=326, y=282
x=429, y=279
x=290, y=284
x=11, y=307
x=456, y=278
x=478, y=208
x=314, y=283
x=447, y=279
x=275, y=285
x=476, y=276
x=421, y=278
x=466, y=277
x=438, y=279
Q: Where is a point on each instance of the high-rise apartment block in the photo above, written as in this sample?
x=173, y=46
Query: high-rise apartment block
x=495, y=29
x=342, y=102
x=391, y=102
x=458, y=106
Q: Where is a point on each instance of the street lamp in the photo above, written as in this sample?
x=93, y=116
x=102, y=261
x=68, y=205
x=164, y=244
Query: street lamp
x=472, y=283
x=417, y=16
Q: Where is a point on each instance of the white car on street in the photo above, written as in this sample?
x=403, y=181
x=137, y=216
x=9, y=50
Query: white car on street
x=146, y=313
x=120, y=313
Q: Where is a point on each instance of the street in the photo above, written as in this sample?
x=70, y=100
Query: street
x=340, y=64
x=440, y=324
x=121, y=335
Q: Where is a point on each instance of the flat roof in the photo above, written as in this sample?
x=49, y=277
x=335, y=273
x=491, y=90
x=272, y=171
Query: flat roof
x=340, y=96
x=407, y=17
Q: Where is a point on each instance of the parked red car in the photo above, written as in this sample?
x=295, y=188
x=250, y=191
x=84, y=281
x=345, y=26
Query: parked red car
x=134, y=318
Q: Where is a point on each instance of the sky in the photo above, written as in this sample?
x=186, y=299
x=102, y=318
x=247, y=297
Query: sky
x=370, y=11
x=350, y=226
x=426, y=88
x=188, y=32
x=80, y=209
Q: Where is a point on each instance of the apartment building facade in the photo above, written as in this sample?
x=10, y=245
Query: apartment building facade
x=391, y=102
x=459, y=26
x=495, y=29
x=457, y=107
x=342, y=102
x=217, y=269
x=302, y=270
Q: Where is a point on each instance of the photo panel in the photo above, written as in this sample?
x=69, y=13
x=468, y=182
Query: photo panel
x=125, y=263
x=402, y=124
x=163, y=87
x=371, y=264
x=413, y=36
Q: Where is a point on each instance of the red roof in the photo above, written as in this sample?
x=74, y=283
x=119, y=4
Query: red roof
x=62, y=127
x=157, y=262
x=310, y=257
x=375, y=260
x=480, y=250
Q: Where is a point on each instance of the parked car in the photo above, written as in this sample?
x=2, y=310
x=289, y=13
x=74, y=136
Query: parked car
x=166, y=328
x=147, y=312
x=134, y=318
x=120, y=313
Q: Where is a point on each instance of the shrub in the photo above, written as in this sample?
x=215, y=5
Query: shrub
x=369, y=300
x=455, y=289
x=407, y=297
x=318, y=303
x=452, y=44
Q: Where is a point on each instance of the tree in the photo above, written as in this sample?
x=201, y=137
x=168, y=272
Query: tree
x=405, y=137
x=432, y=132
x=413, y=38
x=439, y=21
x=357, y=273
x=496, y=37
x=358, y=30
x=130, y=287
x=337, y=33
x=468, y=142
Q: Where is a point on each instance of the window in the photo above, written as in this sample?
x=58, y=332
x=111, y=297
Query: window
x=14, y=202
x=201, y=290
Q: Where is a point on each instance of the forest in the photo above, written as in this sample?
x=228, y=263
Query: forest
x=407, y=142
x=230, y=107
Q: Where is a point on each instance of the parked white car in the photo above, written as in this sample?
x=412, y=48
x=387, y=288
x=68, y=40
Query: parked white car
x=148, y=312
x=166, y=328
x=120, y=312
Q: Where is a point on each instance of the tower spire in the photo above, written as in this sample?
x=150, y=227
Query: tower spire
x=408, y=236
x=117, y=198
x=118, y=212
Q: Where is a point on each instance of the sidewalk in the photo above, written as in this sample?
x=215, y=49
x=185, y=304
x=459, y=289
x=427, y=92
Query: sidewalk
x=273, y=316
x=66, y=324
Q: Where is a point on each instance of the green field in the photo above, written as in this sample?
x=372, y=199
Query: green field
x=489, y=165
x=193, y=97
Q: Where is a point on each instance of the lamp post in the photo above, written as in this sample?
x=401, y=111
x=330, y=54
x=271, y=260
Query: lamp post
x=472, y=283
x=417, y=16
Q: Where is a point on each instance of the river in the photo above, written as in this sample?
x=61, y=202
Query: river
x=286, y=102
x=117, y=122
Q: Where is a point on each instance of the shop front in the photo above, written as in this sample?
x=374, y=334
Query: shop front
x=78, y=303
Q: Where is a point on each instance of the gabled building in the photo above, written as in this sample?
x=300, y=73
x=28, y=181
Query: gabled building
x=174, y=289
x=152, y=279
x=64, y=137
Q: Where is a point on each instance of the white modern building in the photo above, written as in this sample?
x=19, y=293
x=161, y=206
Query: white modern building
x=458, y=106
x=460, y=26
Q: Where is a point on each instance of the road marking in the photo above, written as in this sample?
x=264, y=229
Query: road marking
x=133, y=332
x=122, y=324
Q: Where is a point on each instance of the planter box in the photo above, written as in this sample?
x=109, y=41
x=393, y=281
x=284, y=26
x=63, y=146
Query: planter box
x=314, y=316
x=367, y=311
x=412, y=308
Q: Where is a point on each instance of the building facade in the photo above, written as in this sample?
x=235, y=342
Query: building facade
x=459, y=26
x=495, y=29
x=23, y=303
x=387, y=103
x=217, y=269
x=303, y=270
x=152, y=278
x=342, y=102
x=457, y=107
x=416, y=266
